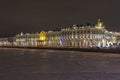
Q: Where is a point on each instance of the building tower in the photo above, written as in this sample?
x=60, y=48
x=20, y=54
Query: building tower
x=100, y=24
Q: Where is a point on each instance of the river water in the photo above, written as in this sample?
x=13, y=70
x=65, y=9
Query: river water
x=36, y=64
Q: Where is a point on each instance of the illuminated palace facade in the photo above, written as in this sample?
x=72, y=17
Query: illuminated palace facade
x=85, y=36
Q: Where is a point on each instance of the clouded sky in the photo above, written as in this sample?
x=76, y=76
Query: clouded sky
x=32, y=16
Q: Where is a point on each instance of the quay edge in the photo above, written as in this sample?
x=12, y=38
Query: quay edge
x=104, y=50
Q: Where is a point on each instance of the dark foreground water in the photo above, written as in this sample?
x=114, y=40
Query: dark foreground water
x=33, y=64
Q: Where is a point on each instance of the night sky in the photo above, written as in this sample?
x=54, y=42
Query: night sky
x=33, y=16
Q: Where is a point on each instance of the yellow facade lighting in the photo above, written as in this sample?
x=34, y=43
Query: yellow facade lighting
x=42, y=36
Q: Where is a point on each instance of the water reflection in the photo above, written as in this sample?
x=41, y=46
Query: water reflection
x=29, y=64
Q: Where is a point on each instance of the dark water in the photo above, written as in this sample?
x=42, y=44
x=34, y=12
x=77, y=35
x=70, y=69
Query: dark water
x=26, y=64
